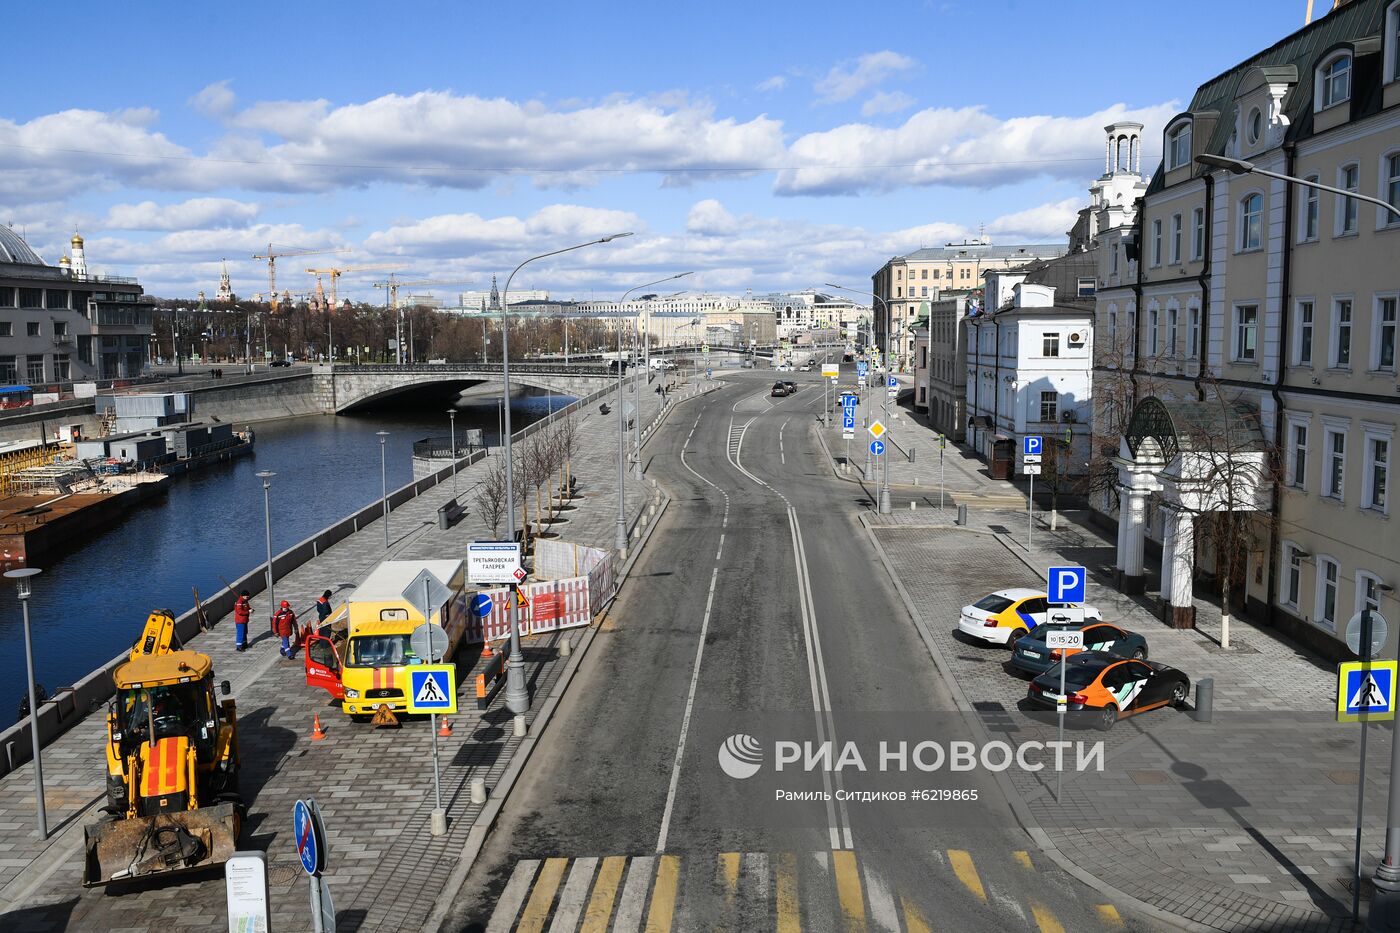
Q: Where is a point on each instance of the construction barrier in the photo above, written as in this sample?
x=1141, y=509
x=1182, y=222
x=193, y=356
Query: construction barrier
x=554, y=604
x=490, y=678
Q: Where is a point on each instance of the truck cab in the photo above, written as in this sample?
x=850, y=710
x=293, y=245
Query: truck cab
x=362, y=656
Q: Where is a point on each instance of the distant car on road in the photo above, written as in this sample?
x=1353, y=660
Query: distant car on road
x=280, y=363
x=783, y=367
x=1113, y=686
x=791, y=386
x=1004, y=616
x=1031, y=655
x=807, y=366
x=780, y=389
x=747, y=364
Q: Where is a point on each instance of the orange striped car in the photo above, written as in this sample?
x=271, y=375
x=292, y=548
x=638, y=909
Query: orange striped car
x=1114, y=687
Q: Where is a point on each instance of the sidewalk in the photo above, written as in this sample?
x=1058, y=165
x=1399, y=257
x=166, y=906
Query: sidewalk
x=375, y=787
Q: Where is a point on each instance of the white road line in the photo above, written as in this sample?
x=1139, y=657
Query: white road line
x=512, y=896
x=566, y=915
x=634, y=895
x=755, y=868
x=882, y=909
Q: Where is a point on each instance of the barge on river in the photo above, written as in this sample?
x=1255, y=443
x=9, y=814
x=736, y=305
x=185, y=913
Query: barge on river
x=53, y=508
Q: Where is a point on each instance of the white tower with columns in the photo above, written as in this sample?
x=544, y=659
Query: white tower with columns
x=78, y=264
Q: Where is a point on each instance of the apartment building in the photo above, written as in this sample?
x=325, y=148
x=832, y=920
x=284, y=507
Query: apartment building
x=1278, y=302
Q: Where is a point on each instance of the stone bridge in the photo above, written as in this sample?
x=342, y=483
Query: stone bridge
x=346, y=386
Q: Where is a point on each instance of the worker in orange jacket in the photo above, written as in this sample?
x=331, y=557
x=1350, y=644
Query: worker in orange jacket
x=284, y=624
x=242, y=612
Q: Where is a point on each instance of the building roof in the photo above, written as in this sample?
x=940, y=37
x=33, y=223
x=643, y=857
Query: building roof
x=387, y=581
x=952, y=251
x=14, y=249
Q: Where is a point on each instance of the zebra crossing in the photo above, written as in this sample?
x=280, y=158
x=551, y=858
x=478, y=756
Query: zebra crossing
x=784, y=891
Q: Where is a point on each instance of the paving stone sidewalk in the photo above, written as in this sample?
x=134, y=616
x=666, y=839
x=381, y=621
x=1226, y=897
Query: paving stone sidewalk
x=375, y=786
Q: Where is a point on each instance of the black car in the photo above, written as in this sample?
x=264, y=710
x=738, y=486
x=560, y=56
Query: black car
x=280, y=363
x=791, y=386
x=1111, y=686
x=780, y=389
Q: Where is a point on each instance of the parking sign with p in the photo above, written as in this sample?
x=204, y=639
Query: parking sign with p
x=1067, y=584
x=1031, y=445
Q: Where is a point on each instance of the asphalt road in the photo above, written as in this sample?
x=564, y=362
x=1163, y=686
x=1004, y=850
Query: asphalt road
x=759, y=609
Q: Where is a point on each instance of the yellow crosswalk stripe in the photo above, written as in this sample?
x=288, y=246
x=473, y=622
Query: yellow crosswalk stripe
x=966, y=871
x=729, y=872
x=848, y=889
x=1023, y=859
x=914, y=920
x=600, y=906
x=542, y=897
x=1045, y=919
x=789, y=908
x=1109, y=915
x=663, y=896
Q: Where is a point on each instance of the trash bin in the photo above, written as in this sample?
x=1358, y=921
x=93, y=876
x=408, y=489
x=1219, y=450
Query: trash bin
x=962, y=514
x=446, y=514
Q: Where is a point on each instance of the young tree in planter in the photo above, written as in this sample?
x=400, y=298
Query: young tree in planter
x=491, y=498
x=566, y=433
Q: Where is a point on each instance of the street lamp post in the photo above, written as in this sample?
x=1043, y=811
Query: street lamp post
x=23, y=588
x=885, y=485
x=1241, y=167
x=452, y=426
x=517, y=693
x=384, y=484
x=265, y=476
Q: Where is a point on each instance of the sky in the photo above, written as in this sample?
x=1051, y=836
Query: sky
x=765, y=145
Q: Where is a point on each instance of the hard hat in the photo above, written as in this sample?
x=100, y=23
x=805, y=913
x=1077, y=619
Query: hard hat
x=286, y=605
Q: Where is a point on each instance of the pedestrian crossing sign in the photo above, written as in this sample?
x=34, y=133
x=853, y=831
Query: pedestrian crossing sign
x=432, y=688
x=1365, y=691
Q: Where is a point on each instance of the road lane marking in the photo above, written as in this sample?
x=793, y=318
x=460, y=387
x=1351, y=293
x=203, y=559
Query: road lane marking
x=1109, y=915
x=512, y=896
x=967, y=872
x=663, y=896
x=542, y=896
x=729, y=872
x=1023, y=859
x=848, y=889
x=600, y=906
x=914, y=921
x=634, y=895
x=575, y=893
x=789, y=904
x=1045, y=919
x=883, y=914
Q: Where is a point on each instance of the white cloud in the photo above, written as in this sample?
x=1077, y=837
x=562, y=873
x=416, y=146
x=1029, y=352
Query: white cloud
x=709, y=217
x=194, y=214
x=886, y=102
x=454, y=234
x=775, y=83
x=848, y=79
x=1044, y=222
x=965, y=147
x=214, y=100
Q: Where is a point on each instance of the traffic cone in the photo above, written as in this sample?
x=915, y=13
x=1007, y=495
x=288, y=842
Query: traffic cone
x=445, y=730
x=486, y=651
x=317, y=733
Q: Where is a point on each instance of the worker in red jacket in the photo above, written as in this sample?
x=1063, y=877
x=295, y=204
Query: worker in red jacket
x=242, y=612
x=284, y=623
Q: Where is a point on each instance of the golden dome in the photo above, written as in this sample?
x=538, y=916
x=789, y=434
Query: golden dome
x=63, y=261
x=77, y=241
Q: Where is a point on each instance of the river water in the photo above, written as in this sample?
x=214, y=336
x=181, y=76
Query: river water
x=91, y=603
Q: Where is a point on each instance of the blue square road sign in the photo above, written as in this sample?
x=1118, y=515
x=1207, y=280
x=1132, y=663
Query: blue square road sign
x=1068, y=584
x=1031, y=445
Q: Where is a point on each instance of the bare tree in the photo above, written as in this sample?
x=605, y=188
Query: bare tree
x=566, y=430
x=491, y=498
x=1119, y=384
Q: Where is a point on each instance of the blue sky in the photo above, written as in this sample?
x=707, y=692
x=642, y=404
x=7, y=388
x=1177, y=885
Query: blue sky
x=761, y=144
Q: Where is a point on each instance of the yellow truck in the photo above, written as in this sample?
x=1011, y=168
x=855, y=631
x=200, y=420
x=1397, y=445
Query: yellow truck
x=363, y=654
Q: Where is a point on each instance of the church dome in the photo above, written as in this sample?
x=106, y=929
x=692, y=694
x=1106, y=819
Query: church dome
x=77, y=241
x=14, y=249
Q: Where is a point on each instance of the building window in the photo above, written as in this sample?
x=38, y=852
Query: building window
x=1383, y=333
x=1298, y=455
x=6, y=329
x=1156, y=242
x=1087, y=286
x=1112, y=328
x=1326, y=591
x=1198, y=233
x=1114, y=257
x=1335, y=483
x=1348, y=178
x=1377, y=472
x=1193, y=332
x=1049, y=406
x=1341, y=333
x=1336, y=81
x=7, y=369
x=1179, y=146
x=1246, y=333
x=1311, y=198
x=1176, y=238
x=899, y=291
x=1368, y=591
x=31, y=328
x=7, y=296
x=31, y=297
x=62, y=369
x=1251, y=221
x=1390, y=189
x=1152, y=348
x=1171, y=332
x=1303, y=339
x=35, y=369
x=923, y=291
x=923, y=273
x=1292, y=575
x=1050, y=345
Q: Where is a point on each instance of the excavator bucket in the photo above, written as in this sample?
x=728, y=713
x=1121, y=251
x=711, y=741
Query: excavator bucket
x=168, y=843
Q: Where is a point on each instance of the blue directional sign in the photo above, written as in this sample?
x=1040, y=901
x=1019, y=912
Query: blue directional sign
x=1031, y=445
x=848, y=420
x=709, y=372
x=877, y=447
x=1068, y=584
x=309, y=837
x=1365, y=689
x=481, y=605
x=862, y=367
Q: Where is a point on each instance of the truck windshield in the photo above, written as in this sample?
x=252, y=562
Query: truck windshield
x=382, y=651
x=174, y=709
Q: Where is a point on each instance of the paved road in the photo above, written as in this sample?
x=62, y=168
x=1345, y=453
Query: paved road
x=758, y=609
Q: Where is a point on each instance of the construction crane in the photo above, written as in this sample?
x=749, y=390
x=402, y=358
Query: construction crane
x=335, y=274
x=393, y=285
x=273, y=255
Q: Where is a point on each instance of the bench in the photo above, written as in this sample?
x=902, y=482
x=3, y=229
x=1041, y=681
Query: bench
x=450, y=513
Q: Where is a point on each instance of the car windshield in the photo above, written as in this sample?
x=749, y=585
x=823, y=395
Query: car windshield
x=994, y=603
x=381, y=651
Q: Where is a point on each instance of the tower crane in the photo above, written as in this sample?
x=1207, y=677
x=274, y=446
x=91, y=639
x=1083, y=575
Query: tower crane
x=272, y=255
x=393, y=285
x=335, y=274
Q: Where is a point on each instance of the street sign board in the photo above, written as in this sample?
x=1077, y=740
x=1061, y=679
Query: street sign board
x=428, y=642
x=481, y=605
x=1065, y=615
x=860, y=380
x=1379, y=631
x=877, y=447
x=831, y=370
x=1032, y=469
x=1067, y=584
x=1054, y=639
x=492, y=561
x=245, y=888
x=848, y=420
x=848, y=434
x=518, y=574
x=427, y=594
x=1030, y=458
x=893, y=383
x=310, y=837
x=432, y=688
x=1031, y=445
x=862, y=367
x=876, y=429
x=1365, y=691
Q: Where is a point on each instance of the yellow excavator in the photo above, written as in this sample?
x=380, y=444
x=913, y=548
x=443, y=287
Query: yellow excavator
x=172, y=766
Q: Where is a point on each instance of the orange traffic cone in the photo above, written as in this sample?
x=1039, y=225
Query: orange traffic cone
x=486, y=651
x=445, y=730
x=317, y=733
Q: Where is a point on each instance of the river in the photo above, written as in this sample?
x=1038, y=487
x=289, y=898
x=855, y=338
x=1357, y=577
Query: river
x=91, y=603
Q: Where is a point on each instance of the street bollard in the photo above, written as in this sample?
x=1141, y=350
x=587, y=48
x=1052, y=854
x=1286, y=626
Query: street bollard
x=912, y=506
x=478, y=791
x=517, y=727
x=962, y=514
x=1205, y=700
x=566, y=648
x=438, y=822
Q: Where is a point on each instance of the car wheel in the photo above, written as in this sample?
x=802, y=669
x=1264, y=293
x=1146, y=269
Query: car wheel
x=1179, y=694
x=1140, y=654
x=1107, y=718
x=1016, y=636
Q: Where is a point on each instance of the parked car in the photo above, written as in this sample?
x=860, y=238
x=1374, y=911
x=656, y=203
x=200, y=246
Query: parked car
x=1111, y=685
x=280, y=363
x=1004, y=616
x=747, y=364
x=807, y=366
x=791, y=386
x=780, y=389
x=1031, y=655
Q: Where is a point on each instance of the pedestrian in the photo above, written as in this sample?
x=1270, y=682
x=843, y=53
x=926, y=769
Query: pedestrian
x=284, y=624
x=242, y=612
x=323, y=612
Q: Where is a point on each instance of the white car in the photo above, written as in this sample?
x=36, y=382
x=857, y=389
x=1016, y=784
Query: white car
x=784, y=367
x=1004, y=616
